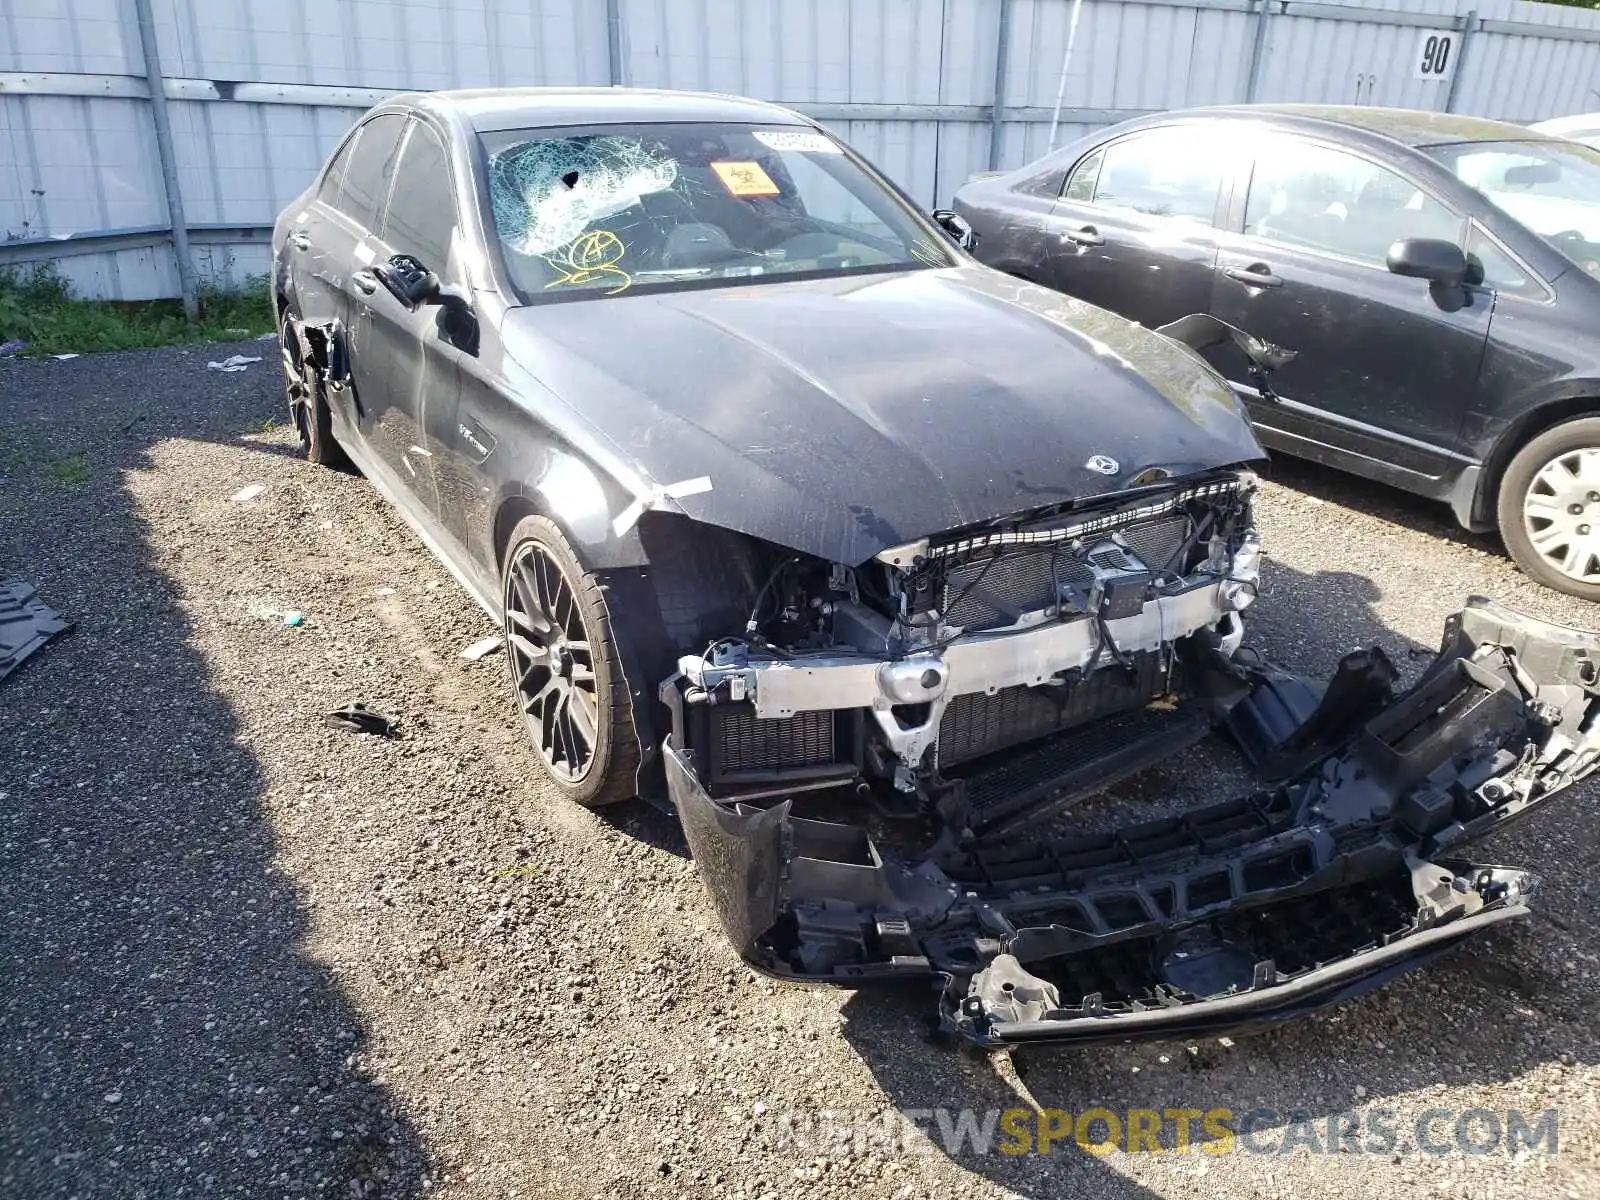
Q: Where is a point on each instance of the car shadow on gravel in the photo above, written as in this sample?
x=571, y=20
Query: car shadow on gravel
x=644, y=822
x=164, y=1032
x=1430, y=518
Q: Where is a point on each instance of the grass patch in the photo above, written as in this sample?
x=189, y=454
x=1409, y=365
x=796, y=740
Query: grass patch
x=71, y=472
x=38, y=307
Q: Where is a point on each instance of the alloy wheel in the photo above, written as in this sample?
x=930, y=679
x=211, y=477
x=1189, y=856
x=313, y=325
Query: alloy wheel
x=300, y=380
x=1561, y=513
x=552, y=662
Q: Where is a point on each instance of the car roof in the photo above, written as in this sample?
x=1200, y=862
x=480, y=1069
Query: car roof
x=1408, y=126
x=489, y=109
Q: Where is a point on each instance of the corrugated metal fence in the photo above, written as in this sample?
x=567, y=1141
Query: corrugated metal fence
x=258, y=91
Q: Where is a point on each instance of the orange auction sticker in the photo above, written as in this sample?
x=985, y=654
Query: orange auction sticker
x=745, y=179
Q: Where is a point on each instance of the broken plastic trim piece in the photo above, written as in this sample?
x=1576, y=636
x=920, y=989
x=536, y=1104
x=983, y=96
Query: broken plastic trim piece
x=358, y=718
x=1005, y=1005
x=1201, y=331
x=1292, y=722
x=1251, y=911
x=26, y=624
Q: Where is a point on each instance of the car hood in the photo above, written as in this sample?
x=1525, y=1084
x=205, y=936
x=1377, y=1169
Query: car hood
x=842, y=416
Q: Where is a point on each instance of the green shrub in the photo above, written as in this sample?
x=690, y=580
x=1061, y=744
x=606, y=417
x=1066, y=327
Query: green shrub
x=38, y=307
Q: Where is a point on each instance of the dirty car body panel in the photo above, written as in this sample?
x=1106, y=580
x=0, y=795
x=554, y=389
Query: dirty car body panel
x=902, y=557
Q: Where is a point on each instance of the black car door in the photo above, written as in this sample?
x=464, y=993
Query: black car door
x=321, y=237
x=1387, y=366
x=342, y=246
x=1134, y=229
x=404, y=347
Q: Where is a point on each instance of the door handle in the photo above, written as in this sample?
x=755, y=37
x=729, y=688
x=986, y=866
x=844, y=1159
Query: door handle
x=300, y=241
x=366, y=283
x=1256, y=275
x=1087, y=236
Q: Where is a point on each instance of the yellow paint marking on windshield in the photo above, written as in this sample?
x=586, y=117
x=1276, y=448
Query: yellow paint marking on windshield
x=588, y=259
x=745, y=179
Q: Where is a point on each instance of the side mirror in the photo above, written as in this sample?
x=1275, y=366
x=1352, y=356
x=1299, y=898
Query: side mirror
x=407, y=280
x=449, y=297
x=954, y=224
x=1434, y=259
x=458, y=322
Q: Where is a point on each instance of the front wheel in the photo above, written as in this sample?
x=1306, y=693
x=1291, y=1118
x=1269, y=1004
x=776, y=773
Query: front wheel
x=1550, y=508
x=565, y=670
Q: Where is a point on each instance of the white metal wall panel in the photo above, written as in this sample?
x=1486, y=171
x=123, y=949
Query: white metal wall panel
x=392, y=44
x=836, y=52
x=815, y=51
x=903, y=150
x=93, y=36
x=71, y=164
x=1128, y=56
x=143, y=274
x=1523, y=78
x=1328, y=61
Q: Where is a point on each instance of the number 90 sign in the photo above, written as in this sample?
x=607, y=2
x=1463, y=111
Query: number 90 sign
x=1436, y=54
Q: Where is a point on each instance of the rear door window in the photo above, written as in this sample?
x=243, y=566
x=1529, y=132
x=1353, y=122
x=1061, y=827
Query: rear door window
x=1080, y=184
x=371, y=167
x=421, y=219
x=1174, y=172
x=333, y=178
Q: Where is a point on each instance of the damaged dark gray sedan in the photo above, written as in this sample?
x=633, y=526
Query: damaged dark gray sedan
x=871, y=561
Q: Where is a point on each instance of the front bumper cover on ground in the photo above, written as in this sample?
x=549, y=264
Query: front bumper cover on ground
x=1226, y=917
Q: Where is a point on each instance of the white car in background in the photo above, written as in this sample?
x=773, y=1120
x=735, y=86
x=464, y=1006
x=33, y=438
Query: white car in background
x=1585, y=128
x=1553, y=191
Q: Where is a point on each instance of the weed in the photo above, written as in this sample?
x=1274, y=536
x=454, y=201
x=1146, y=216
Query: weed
x=71, y=472
x=38, y=306
x=266, y=424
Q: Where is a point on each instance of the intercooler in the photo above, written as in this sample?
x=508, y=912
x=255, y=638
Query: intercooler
x=976, y=724
x=742, y=748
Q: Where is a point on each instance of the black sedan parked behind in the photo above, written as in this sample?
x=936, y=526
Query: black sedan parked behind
x=868, y=559
x=1435, y=273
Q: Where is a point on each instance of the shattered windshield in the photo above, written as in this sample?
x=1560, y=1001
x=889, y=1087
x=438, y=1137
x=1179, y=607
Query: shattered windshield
x=613, y=209
x=1551, y=187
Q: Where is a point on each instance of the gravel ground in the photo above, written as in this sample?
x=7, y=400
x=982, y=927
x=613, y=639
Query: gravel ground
x=245, y=955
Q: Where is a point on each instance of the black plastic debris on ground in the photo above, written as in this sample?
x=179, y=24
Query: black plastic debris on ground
x=358, y=718
x=26, y=624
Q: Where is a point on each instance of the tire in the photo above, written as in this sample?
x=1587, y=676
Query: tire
x=306, y=392
x=1549, y=508
x=556, y=617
